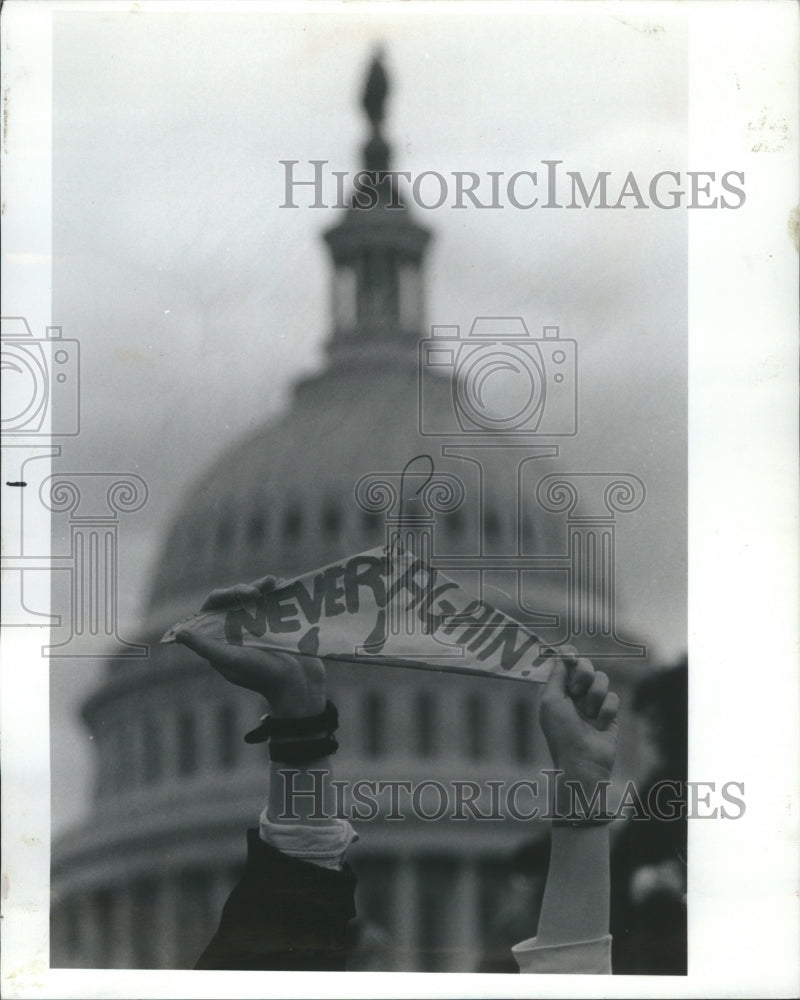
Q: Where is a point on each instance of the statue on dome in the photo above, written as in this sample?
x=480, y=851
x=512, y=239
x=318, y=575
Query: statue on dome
x=375, y=91
x=376, y=149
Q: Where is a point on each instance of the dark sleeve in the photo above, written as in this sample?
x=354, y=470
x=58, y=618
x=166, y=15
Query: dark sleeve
x=649, y=937
x=283, y=914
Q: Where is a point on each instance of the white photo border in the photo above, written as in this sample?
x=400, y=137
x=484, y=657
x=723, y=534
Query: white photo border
x=743, y=633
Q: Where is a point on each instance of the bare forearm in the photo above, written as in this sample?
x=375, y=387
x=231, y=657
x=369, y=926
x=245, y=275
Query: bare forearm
x=300, y=791
x=576, y=899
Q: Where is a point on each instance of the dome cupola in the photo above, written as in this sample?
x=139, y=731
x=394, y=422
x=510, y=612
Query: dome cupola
x=377, y=251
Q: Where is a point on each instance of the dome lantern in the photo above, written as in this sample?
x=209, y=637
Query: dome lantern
x=377, y=251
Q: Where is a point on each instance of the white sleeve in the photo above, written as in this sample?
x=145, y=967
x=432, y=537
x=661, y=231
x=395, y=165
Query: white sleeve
x=588, y=957
x=322, y=842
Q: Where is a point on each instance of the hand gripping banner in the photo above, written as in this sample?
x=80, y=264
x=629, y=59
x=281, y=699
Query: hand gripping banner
x=387, y=607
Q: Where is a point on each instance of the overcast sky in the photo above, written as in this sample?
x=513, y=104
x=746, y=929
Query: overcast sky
x=198, y=300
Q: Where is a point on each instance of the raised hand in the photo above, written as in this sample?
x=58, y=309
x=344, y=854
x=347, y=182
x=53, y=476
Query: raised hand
x=578, y=715
x=293, y=685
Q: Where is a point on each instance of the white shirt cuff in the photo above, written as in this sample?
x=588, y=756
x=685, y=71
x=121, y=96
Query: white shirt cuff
x=322, y=842
x=586, y=957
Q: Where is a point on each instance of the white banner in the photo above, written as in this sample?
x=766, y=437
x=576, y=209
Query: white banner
x=383, y=607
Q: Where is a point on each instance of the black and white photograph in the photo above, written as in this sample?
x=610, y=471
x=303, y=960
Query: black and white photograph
x=379, y=533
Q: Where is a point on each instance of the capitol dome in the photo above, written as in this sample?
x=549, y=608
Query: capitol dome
x=175, y=785
x=283, y=500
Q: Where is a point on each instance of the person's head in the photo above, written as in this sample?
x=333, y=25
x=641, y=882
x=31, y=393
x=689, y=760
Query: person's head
x=662, y=702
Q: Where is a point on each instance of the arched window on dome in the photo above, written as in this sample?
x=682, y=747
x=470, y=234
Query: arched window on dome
x=522, y=729
x=331, y=521
x=372, y=526
x=475, y=727
x=227, y=741
x=256, y=527
x=379, y=287
x=187, y=743
x=426, y=726
x=374, y=724
x=152, y=751
x=293, y=523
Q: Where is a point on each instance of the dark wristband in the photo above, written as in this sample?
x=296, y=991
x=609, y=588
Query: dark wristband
x=302, y=751
x=327, y=721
